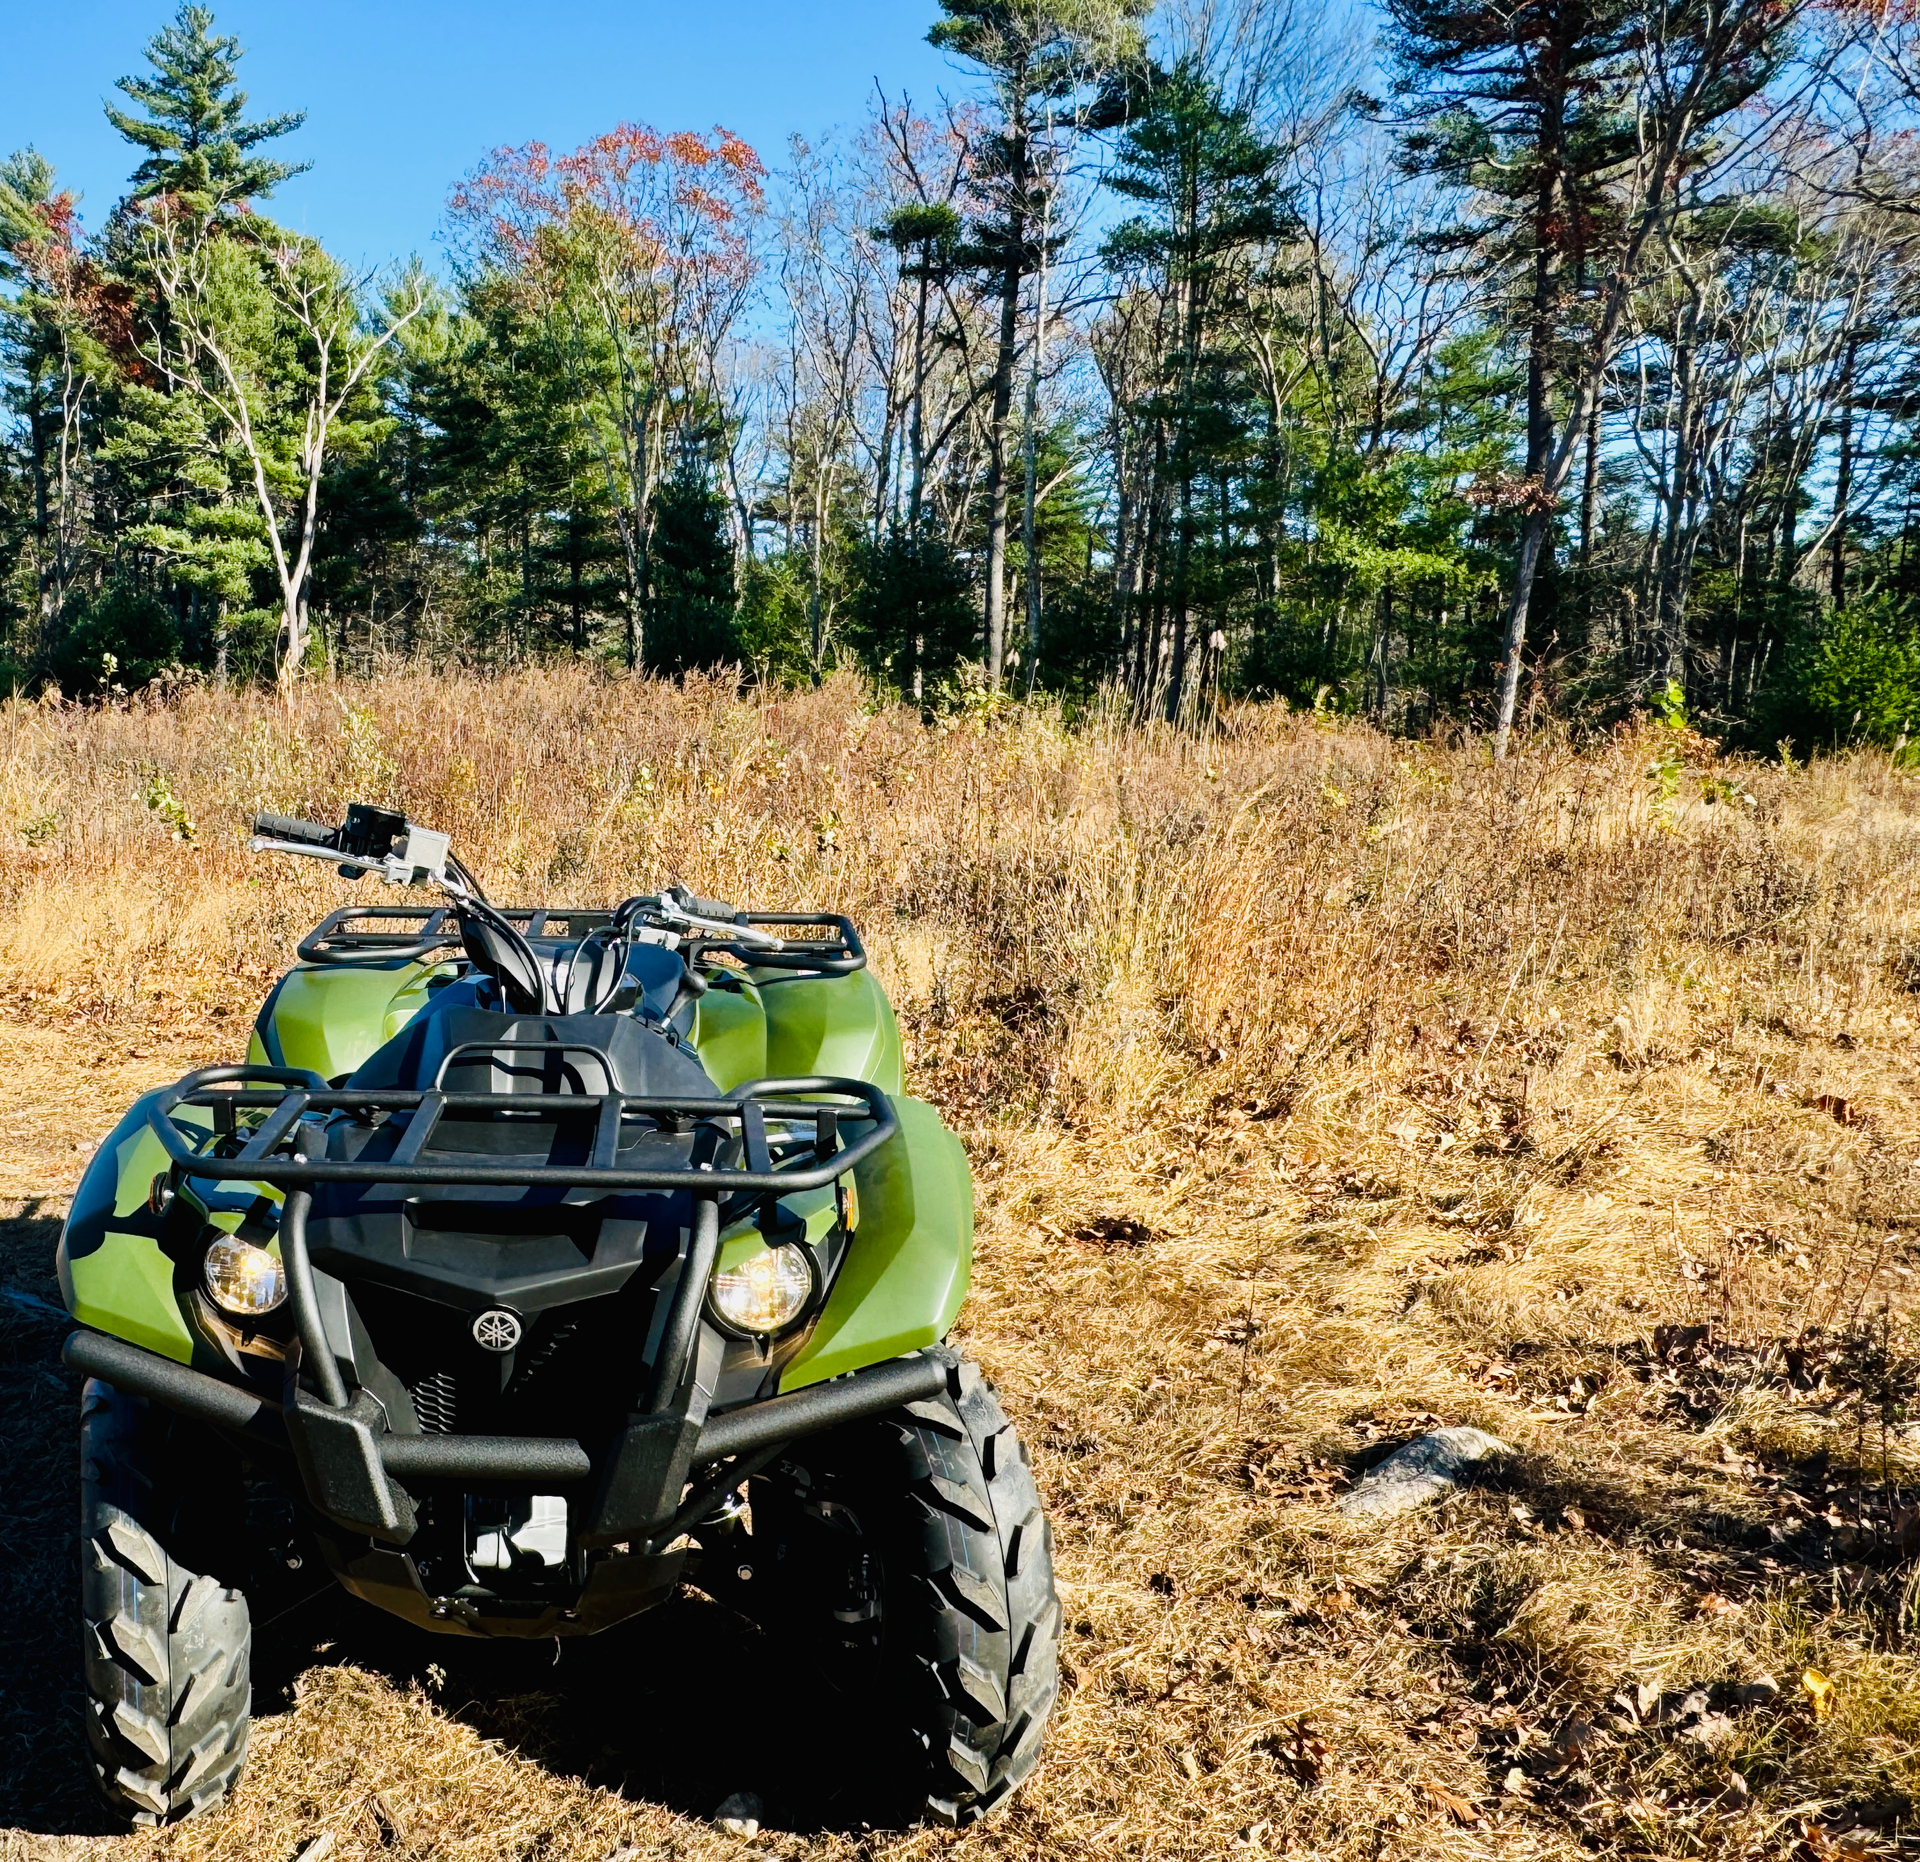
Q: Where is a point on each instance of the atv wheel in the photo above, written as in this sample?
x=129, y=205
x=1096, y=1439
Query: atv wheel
x=916, y=1558
x=166, y=1645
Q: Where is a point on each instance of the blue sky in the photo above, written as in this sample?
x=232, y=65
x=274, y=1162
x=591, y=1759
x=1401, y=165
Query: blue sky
x=402, y=98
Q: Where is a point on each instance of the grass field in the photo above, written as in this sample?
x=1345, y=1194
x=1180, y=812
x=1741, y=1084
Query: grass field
x=1319, y=1088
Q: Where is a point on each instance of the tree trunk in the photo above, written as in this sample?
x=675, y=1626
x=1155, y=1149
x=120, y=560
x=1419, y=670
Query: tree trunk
x=1842, y=486
x=1382, y=642
x=573, y=589
x=1183, y=557
x=1531, y=544
x=44, y=564
x=1590, y=489
x=996, y=600
x=1029, y=534
x=1539, y=445
x=1029, y=537
x=916, y=419
x=1013, y=271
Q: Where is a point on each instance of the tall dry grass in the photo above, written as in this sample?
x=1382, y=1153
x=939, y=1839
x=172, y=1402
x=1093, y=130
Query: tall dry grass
x=1320, y=1087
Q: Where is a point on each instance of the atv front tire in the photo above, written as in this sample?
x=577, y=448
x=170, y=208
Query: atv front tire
x=931, y=1578
x=167, y=1645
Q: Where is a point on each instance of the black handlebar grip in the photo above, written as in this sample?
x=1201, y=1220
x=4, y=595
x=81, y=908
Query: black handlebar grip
x=709, y=908
x=289, y=827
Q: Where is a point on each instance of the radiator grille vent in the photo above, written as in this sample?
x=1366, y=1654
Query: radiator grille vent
x=434, y=1402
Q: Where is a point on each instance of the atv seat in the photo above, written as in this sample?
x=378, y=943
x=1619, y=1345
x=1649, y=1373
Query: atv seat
x=457, y=1048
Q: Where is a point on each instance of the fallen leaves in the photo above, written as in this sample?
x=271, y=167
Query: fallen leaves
x=1101, y=1234
x=1841, y=1110
x=1462, y=1810
x=1299, y=1751
x=1277, y=1469
x=1819, y=1692
x=1824, y=1846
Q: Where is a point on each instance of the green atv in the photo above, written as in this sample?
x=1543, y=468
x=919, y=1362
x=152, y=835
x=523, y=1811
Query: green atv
x=542, y=1261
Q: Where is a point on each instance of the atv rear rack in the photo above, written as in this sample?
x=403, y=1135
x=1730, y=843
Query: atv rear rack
x=351, y=935
x=273, y=1150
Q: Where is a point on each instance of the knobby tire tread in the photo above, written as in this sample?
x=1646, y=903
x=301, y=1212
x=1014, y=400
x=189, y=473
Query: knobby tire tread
x=991, y=1654
x=166, y=1648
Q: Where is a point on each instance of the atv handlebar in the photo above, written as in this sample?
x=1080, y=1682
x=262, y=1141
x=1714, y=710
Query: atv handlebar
x=292, y=828
x=380, y=841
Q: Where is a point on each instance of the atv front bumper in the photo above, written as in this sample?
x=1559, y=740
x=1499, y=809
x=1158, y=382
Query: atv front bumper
x=365, y=1480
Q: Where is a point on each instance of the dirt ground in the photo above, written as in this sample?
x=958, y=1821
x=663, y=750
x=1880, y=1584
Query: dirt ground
x=1587, y=1123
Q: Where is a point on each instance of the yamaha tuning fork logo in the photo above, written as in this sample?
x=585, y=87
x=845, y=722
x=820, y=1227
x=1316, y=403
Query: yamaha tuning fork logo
x=496, y=1330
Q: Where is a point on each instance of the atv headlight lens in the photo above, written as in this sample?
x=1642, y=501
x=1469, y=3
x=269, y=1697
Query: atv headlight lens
x=244, y=1279
x=764, y=1292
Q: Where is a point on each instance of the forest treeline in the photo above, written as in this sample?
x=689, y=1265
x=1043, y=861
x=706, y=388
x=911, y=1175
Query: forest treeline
x=1457, y=363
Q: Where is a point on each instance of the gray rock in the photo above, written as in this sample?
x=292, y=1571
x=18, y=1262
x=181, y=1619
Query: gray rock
x=1428, y=1469
x=740, y=1814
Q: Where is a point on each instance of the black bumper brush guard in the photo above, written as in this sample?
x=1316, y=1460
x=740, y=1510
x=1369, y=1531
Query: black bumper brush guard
x=356, y=1472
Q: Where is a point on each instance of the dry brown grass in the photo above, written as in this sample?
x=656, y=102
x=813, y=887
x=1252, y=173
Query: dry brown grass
x=1318, y=1087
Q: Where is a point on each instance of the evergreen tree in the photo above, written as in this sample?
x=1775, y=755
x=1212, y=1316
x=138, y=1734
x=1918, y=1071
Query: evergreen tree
x=49, y=366
x=492, y=454
x=1526, y=114
x=911, y=616
x=1213, y=206
x=927, y=237
x=121, y=638
x=1050, y=64
x=200, y=147
x=690, y=593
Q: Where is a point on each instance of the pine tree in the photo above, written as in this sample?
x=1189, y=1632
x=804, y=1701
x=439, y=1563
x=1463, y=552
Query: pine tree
x=1575, y=124
x=1049, y=63
x=1212, y=206
x=926, y=235
x=690, y=593
x=198, y=142
x=1526, y=111
x=911, y=617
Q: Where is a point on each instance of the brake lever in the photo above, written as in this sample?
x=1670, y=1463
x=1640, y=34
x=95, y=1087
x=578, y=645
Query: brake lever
x=423, y=857
x=676, y=914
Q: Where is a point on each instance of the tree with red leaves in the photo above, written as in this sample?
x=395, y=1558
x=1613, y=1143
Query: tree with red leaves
x=58, y=335
x=636, y=252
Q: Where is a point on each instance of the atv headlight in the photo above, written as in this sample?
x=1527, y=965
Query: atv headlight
x=244, y=1279
x=766, y=1292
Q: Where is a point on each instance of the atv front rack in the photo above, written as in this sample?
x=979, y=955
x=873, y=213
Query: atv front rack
x=274, y=1150
x=355, y=934
x=637, y=1490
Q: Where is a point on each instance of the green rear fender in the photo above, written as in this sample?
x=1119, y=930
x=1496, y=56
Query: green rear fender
x=328, y=1018
x=907, y=1266
x=113, y=1273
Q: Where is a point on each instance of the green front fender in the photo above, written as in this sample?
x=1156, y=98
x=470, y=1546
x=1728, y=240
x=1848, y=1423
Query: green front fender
x=907, y=1266
x=328, y=1018
x=113, y=1273
x=730, y=1035
x=840, y=1025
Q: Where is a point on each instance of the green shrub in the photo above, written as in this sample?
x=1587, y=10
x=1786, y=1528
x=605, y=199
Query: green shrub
x=119, y=638
x=1848, y=677
x=912, y=609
